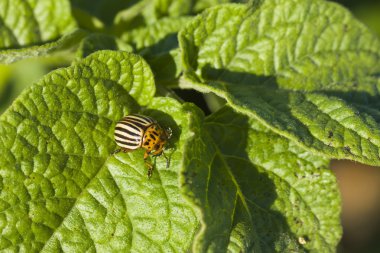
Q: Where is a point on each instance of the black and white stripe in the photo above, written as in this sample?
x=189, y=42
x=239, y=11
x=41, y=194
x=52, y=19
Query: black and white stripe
x=129, y=131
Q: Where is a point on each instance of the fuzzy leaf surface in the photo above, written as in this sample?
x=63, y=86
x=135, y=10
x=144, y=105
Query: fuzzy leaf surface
x=24, y=23
x=158, y=44
x=254, y=195
x=158, y=37
x=63, y=46
x=95, y=42
x=263, y=61
x=62, y=190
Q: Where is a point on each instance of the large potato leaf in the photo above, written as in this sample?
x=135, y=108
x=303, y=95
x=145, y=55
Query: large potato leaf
x=24, y=23
x=256, y=191
x=61, y=189
x=306, y=69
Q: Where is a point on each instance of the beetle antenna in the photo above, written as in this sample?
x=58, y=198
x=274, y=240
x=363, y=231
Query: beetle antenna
x=167, y=160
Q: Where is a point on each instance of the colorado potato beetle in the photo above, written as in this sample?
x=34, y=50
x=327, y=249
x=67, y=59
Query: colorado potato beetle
x=137, y=131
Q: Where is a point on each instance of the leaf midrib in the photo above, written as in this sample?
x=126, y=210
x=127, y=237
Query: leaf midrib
x=241, y=195
x=74, y=205
x=290, y=186
x=238, y=189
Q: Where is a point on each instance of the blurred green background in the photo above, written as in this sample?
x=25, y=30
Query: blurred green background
x=368, y=11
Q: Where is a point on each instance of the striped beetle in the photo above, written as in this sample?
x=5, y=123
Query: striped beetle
x=137, y=131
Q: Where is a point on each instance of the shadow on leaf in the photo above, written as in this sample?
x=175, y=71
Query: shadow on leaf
x=235, y=195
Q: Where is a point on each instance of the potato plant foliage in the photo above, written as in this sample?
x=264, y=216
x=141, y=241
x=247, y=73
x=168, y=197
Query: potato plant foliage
x=300, y=80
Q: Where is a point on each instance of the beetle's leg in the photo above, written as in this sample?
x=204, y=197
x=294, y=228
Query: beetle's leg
x=161, y=152
x=146, y=154
x=150, y=168
x=157, y=153
x=124, y=150
x=116, y=151
x=148, y=164
x=167, y=160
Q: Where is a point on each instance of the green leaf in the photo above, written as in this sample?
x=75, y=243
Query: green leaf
x=55, y=140
x=173, y=8
x=122, y=210
x=31, y=63
x=201, y=5
x=59, y=49
x=158, y=44
x=287, y=39
x=61, y=183
x=86, y=21
x=95, y=42
x=257, y=193
x=177, y=8
x=147, y=12
x=263, y=61
x=156, y=38
x=25, y=23
x=166, y=68
x=103, y=11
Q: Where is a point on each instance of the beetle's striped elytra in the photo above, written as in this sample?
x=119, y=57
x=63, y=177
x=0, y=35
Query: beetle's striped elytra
x=137, y=131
